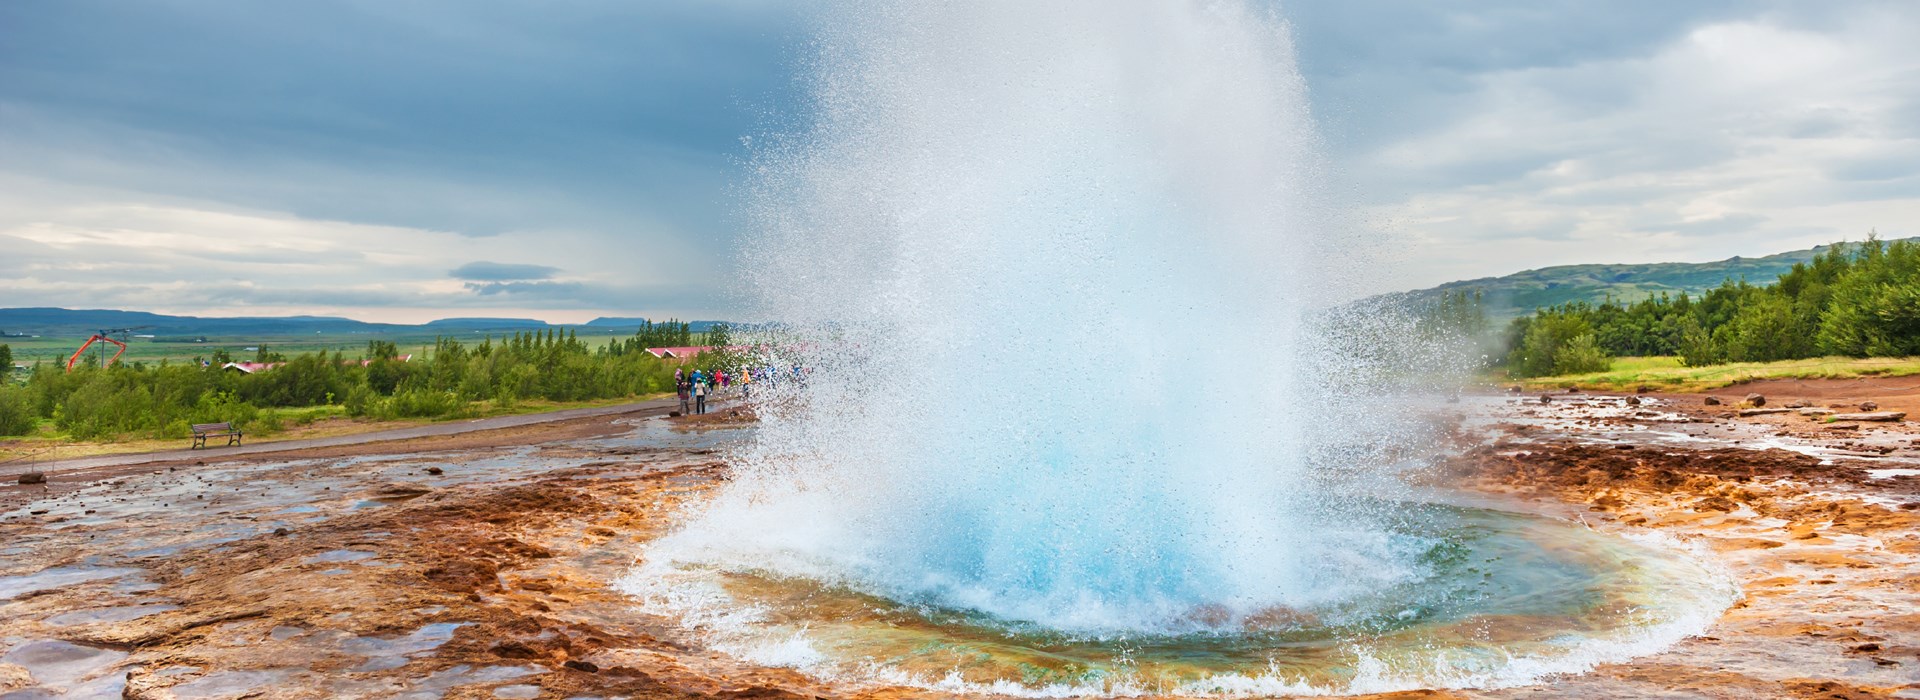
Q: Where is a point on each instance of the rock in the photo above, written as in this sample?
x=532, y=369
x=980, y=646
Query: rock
x=1756, y=399
x=1713, y=401
x=33, y=478
x=1633, y=401
x=436, y=471
x=1869, y=406
x=1875, y=416
x=1546, y=399
x=514, y=649
x=1816, y=412
x=1798, y=403
x=280, y=532
x=1514, y=389
x=1761, y=411
x=401, y=489
x=673, y=414
x=1643, y=389
x=13, y=677
x=579, y=665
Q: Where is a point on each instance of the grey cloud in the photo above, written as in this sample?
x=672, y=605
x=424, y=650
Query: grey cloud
x=1729, y=223
x=597, y=295
x=502, y=272
x=1876, y=169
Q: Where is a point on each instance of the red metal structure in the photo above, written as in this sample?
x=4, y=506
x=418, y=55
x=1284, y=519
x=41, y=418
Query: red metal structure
x=104, y=335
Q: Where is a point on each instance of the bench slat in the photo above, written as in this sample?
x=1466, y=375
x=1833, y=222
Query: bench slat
x=202, y=431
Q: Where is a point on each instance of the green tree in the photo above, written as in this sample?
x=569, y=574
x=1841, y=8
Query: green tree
x=16, y=411
x=1579, y=355
x=1546, y=335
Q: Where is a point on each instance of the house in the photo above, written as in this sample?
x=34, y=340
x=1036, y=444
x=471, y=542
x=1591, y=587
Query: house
x=684, y=353
x=252, y=367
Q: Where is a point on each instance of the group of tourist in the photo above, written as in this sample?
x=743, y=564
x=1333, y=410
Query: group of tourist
x=700, y=385
x=697, y=387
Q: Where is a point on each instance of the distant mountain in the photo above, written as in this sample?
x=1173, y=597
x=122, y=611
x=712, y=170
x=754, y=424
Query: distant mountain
x=617, y=321
x=636, y=322
x=56, y=321
x=1520, y=293
x=486, y=323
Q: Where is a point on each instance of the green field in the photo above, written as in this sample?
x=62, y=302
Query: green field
x=56, y=349
x=1669, y=374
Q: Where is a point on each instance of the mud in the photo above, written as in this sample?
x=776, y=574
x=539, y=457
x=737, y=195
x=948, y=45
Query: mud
x=480, y=568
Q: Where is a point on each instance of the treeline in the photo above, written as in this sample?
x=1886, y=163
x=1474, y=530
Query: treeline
x=1859, y=300
x=164, y=400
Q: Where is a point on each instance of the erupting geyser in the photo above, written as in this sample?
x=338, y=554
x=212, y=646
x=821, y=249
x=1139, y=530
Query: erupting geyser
x=1062, y=287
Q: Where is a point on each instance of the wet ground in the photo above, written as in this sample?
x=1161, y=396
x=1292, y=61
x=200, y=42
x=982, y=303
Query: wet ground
x=480, y=569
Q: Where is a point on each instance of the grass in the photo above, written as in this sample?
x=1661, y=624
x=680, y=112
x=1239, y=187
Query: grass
x=56, y=349
x=296, y=424
x=1669, y=374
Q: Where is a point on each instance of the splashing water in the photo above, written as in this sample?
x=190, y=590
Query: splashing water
x=1062, y=282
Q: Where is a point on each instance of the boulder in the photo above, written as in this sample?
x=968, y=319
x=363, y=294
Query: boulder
x=1546, y=399
x=1643, y=389
x=1713, y=401
x=1633, y=401
x=401, y=489
x=1869, y=406
x=1756, y=400
x=33, y=478
x=1872, y=417
x=1798, y=403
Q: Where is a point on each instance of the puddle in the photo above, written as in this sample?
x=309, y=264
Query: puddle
x=114, y=614
x=57, y=577
x=432, y=686
x=386, y=654
x=339, y=555
x=227, y=684
x=60, y=665
x=1891, y=473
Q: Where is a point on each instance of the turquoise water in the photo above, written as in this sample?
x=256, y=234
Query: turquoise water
x=1498, y=598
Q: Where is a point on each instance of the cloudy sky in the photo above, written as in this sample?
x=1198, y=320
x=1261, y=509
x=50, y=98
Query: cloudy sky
x=409, y=161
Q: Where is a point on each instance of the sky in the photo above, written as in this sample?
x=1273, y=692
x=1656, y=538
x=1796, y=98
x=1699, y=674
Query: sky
x=403, y=162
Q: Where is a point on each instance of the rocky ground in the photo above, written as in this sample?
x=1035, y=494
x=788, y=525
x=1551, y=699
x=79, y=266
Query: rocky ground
x=478, y=567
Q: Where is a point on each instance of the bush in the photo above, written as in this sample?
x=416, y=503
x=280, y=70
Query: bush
x=16, y=411
x=421, y=403
x=1545, y=337
x=1581, y=355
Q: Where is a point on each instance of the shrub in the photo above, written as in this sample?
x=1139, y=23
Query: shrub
x=16, y=411
x=1580, y=355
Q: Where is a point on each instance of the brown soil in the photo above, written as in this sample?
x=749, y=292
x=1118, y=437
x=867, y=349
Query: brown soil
x=12, y=494
x=1828, y=558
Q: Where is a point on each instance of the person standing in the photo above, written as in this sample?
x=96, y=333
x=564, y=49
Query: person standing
x=686, y=390
x=699, y=394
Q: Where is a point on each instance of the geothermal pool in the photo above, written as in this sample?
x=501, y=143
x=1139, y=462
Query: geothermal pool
x=1500, y=598
x=1088, y=406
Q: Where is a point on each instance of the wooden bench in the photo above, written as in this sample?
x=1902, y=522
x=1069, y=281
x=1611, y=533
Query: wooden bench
x=202, y=431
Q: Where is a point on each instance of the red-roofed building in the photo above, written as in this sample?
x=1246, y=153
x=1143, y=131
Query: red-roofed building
x=252, y=367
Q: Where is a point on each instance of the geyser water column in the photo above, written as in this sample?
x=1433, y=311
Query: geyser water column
x=1049, y=265
x=1078, y=411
